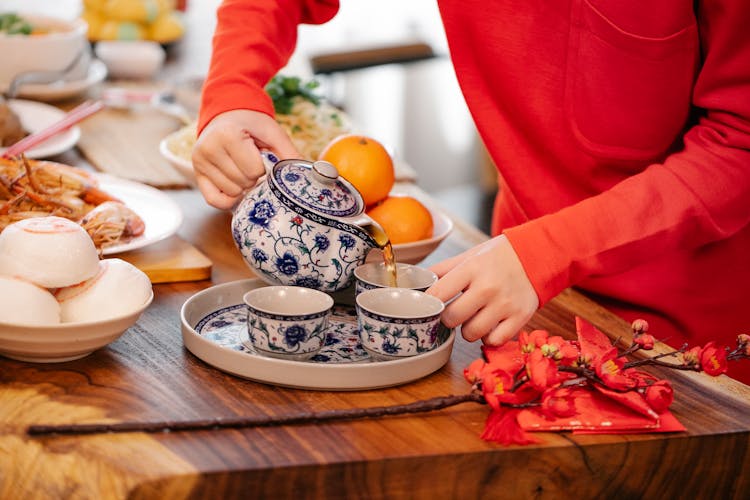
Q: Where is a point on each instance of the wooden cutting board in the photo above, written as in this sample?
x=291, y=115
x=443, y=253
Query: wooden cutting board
x=171, y=260
x=126, y=144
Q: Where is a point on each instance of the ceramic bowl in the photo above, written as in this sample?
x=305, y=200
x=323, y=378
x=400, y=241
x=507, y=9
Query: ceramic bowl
x=131, y=59
x=64, y=341
x=375, y=275
x=61, y=41
x=397, y=322
x=287, y=322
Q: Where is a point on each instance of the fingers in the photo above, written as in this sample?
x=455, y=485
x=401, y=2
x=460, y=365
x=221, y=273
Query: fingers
x=213, y=195
x=504, y=331
x=442, y=268
x=275, y=139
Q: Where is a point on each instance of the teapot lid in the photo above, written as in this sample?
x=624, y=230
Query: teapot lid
x=318, y=187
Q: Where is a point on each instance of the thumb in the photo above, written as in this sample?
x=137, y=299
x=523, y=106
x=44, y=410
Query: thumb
x=277, y=140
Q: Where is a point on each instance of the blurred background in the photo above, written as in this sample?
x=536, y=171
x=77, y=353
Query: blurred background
x=415, y=108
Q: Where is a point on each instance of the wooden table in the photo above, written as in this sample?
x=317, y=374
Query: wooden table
x=148, y=375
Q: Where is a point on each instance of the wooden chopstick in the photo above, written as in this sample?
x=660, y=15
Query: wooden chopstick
x=72, y=117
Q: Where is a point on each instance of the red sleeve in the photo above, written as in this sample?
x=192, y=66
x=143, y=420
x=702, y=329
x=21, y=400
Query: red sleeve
x=252, y=41
x=696, y=196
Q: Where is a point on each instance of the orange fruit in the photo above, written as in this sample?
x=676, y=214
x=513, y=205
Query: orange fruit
x=364, y=162
x=403, y=218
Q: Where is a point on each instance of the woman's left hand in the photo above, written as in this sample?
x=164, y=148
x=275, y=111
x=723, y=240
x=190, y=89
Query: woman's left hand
x=496, y=297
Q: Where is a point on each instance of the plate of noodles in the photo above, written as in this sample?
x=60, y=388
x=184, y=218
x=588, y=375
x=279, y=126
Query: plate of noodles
x=310, y=126
x=308, y=119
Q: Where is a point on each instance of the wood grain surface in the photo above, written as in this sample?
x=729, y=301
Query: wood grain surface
x=170, y=260
x=148, y=375
x=125, y=143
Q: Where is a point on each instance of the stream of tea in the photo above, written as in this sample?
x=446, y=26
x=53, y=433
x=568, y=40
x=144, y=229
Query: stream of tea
x=384, y=243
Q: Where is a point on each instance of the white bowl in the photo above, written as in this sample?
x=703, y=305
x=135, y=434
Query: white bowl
x=135, y=59
x=183, y=165
x=416, y=251
x=66, y=341
x=48, y=51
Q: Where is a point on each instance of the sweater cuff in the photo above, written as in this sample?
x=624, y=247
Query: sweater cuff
x=546, y=266
x=232, y=96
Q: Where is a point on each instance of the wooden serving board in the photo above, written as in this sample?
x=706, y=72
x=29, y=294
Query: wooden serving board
x=169, y=261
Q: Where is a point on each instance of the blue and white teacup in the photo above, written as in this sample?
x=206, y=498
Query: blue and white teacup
x=397, y=322
x=375, y=275
x=287, y=322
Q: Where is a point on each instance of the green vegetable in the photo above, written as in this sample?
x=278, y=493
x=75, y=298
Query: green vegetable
x=13, y=24
x=284, y=89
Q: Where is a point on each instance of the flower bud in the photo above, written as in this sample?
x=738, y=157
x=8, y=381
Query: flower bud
x=659, y=395
x=743, y=343
x=645, y=341
x=640, y=326
x=692, y=357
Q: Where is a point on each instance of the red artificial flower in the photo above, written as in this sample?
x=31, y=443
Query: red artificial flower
x=297, y=220
x=502, y=427
x=692, y=357
x=610, y=370
x=645, y=341
x=558, y=402
x=542, y=371
x=506, y=357
x=659, y=395
x=713, y=359
x=560, y=350
x=496, y=386
x=473, y=373
x=530, y=341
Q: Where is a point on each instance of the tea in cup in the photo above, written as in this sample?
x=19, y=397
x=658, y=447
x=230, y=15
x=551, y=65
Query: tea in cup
x=397, y=322
x=287, y=322
x=375, y=275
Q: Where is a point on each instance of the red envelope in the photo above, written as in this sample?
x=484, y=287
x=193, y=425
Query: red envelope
x=597, y=413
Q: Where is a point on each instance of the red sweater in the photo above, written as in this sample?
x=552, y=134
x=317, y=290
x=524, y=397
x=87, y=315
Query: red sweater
x=621, y=131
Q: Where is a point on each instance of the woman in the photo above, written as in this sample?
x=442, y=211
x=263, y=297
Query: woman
x=621, y=133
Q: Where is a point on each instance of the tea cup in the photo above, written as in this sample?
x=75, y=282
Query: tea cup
x=375, y=275
x=287, y=322
x=397, y=322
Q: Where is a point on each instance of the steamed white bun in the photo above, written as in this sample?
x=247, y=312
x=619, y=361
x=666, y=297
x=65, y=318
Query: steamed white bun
x=48, y=251
x=117, y=289
x=24, y=303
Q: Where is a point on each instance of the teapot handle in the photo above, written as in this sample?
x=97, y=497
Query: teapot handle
x=269, y=159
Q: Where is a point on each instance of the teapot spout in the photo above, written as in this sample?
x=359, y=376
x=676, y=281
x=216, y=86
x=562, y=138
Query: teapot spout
x=373, y=229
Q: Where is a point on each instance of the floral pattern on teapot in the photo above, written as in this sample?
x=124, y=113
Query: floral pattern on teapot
x=288, y=231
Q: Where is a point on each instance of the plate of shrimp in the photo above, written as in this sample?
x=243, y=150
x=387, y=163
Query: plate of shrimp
x=120, y=215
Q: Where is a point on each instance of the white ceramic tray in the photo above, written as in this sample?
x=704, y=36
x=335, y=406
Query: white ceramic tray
x=214, y=329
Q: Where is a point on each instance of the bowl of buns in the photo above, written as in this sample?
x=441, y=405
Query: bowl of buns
x=58, y=300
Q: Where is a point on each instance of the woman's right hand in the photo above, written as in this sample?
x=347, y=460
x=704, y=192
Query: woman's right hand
x=226, y=156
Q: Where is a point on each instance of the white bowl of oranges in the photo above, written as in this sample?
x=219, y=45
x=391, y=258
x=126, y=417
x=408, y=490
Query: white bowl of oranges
x=414, y=226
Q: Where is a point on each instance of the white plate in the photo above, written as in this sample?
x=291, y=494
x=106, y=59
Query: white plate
x=36, y=116
x=159, y=212
x=65, y=89
x=228, y=353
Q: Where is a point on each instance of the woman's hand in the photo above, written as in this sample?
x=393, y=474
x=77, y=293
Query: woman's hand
x=496, y=297
x=226, y=156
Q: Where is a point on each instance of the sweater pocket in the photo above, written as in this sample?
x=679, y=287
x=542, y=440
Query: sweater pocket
x=628, y=94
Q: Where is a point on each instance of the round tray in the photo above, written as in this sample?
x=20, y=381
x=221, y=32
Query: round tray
x=214, y=330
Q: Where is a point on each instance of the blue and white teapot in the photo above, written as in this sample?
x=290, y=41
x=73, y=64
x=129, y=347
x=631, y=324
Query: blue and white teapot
x=304, y=225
